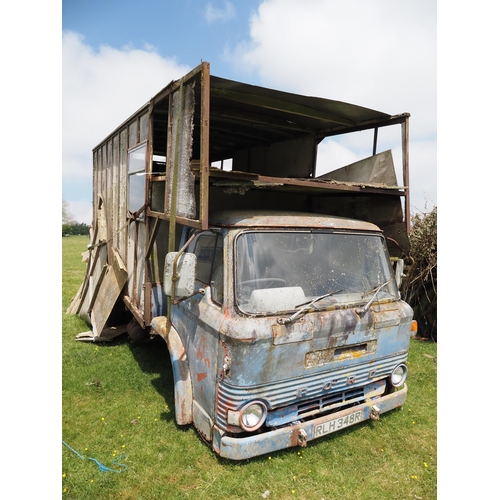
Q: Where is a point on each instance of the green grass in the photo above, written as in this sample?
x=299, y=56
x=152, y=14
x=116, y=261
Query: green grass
x=117, y=402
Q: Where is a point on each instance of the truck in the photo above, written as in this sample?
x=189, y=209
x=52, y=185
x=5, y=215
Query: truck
x=276, y=289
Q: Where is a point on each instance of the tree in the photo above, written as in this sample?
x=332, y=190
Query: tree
x=75, y=228
x=69, y=225
x=67, y=216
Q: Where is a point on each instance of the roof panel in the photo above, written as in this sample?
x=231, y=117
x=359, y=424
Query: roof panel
x=243, y=115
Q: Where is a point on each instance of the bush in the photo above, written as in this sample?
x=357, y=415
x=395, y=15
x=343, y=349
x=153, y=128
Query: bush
x=419, y=287
x=75, y=228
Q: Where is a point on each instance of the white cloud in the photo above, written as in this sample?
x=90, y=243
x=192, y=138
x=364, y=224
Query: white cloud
x=214, y=14
x=332, y=155
x=423, y=165
x=381, y=55
x=377, y=54
x=81, y=210
x=103, y=88
x=100, y=90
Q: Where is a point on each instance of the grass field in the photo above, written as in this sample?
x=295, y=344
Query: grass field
x=118, y=411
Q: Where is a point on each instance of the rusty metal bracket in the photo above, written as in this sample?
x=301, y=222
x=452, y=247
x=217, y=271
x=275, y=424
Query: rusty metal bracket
x=302, y=438
x=375, y=412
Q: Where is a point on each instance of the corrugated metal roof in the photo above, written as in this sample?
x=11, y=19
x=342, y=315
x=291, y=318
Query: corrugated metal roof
x=243, y=116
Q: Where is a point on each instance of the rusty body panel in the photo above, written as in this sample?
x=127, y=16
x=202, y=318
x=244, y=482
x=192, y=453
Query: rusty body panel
x=284, y=363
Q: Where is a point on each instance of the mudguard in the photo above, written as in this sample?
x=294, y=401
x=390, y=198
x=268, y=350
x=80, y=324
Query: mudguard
x=183, y=387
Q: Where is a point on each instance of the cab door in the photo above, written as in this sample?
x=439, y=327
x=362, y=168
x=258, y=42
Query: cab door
x=198, y=320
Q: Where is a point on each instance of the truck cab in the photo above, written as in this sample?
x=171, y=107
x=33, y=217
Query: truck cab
x=295, y=330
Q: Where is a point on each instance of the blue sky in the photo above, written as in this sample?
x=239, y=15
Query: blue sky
x=117, y=54
x=187, y=30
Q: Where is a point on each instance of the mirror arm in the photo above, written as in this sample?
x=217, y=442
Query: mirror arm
x=178, y=301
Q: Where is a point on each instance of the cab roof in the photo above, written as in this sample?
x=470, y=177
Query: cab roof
x=285, y=219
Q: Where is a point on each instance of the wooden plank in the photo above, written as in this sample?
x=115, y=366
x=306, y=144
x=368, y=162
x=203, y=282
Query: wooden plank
x=97, y=287
x=79, y=298
x=107, y=293
x=204, y=144
x=106, y=335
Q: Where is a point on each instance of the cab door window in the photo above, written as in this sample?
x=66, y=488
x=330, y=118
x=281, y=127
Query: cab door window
x=209, y=262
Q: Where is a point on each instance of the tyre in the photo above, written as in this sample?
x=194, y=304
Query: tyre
x=136, y=333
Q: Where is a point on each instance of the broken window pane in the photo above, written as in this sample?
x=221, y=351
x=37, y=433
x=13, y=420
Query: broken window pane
x=136, y=177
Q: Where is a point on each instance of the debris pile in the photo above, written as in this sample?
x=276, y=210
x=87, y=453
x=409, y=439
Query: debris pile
x=419, y=287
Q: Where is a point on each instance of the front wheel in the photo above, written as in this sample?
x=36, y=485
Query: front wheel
x=136, y=333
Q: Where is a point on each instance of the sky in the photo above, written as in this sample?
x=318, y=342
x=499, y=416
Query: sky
x=117, y=54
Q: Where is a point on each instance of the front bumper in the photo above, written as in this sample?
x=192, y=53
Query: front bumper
x=300, y=434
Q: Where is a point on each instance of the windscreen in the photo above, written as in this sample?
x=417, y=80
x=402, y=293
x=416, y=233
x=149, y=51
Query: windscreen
x=278, y=271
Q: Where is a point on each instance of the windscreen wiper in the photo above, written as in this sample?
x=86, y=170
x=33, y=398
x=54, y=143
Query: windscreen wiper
x=362, y=310
x=294, y=316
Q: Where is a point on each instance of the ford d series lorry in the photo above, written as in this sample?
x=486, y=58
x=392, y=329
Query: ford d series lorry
x=275, y=289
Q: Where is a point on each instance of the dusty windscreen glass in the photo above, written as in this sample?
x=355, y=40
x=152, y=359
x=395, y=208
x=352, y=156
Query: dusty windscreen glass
x=279, y=270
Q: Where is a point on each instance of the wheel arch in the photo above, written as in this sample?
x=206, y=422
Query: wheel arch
x=183, y=386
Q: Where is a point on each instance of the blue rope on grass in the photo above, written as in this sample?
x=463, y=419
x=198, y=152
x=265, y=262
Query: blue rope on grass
x=102, y=467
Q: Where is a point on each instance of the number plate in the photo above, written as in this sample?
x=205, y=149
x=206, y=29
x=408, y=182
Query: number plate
x=337, y=424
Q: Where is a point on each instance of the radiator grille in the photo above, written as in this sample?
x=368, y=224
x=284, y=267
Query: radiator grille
x=330, y=400
x=306, y=394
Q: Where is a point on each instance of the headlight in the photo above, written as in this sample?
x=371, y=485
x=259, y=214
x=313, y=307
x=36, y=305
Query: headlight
x=252, y=416
x=398, y=375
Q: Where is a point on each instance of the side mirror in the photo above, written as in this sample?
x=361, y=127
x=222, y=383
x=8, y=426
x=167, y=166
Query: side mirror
x=185, y=272
x=399, y=272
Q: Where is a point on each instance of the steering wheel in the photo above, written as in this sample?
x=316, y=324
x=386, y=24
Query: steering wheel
x=269, y=281
x=248, y=286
